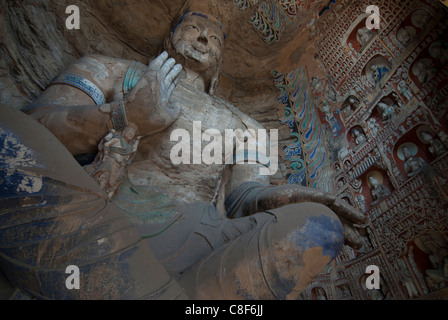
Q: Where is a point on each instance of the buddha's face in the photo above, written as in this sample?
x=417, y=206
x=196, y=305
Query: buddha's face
x=407, y=153
x=404, y=35
x=200, y=41
x=382, y=106
x=426, y=137
x=129, y=133
x=421, y=67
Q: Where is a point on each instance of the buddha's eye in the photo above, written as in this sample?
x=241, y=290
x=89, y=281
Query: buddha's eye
x=191, y=27
x=216, y=39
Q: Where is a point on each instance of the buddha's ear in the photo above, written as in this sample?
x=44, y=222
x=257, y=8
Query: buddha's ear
x=167, y=42
x=213, y=84
x=215, y=78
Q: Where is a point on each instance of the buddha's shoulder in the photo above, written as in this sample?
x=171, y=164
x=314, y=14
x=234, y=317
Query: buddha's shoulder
x=105, y=65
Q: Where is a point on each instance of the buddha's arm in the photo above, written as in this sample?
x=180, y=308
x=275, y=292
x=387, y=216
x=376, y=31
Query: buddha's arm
x=71, y=115
x=252, y=198
x=78, y=128
x=71, y=106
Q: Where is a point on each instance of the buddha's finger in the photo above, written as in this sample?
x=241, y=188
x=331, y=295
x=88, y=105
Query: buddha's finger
x=158, y=62
x=174, y=74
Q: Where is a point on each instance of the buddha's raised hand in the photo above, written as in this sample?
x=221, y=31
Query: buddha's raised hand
x=148, y=104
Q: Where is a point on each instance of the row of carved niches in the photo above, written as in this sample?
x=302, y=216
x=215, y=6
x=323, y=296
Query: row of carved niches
x=423, y=69
x=417, y=149
x=421, y=268
x=415, y=23
x=429, y=62
x=424, y=75
x=429, y=72
x=381, y=116
x=366, y=191
x=347, y=284
x=413, y=154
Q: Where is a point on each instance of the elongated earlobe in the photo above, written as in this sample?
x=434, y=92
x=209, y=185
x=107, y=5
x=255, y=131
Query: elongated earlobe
x=167, y=42
x=213, y=85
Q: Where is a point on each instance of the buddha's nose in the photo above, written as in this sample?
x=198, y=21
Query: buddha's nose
x=203, y=38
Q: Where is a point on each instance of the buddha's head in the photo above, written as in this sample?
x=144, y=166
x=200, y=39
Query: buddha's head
x=197, y=42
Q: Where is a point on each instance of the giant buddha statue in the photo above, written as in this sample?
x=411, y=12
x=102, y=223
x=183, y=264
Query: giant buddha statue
x=198, y=230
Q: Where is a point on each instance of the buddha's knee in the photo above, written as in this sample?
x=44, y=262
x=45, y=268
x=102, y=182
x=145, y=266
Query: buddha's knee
x=295, y=248
x=275, y=261
x=305, y=226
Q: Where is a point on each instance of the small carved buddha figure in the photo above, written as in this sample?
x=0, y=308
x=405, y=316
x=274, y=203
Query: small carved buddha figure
x=374, y=127
x=379, y=191
x=359, y=136
x=387, y=112
x=413, y=165
x=115, y=152
x=378, y=73
x=436, y=146
x=361, y=202
x=364, y=35
x=350, y=107
x=320, y=294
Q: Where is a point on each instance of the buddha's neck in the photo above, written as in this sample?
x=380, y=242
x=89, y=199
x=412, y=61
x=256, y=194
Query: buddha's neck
x=195, y=79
